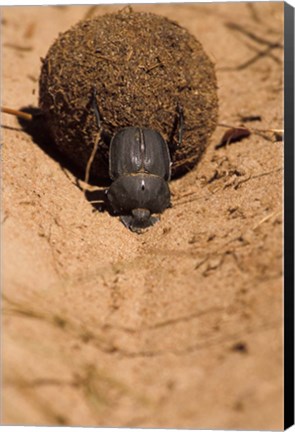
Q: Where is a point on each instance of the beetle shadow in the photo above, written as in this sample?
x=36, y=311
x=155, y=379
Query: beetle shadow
x=39, y=131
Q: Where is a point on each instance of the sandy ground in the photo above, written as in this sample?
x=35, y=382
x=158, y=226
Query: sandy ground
x=180, y=326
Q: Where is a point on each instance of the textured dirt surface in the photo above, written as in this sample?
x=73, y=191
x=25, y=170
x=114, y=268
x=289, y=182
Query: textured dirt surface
x=180, y=326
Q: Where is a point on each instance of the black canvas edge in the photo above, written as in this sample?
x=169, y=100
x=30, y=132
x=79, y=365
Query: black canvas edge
x=289, y=216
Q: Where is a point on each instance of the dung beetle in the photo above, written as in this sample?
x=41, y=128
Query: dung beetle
x=140, y=167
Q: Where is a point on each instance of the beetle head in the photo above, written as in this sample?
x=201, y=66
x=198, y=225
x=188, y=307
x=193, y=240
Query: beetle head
x=139, y=220
x=136, y=197
x=141, y=216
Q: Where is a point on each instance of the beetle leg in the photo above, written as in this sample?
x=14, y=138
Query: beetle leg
x=126, y=220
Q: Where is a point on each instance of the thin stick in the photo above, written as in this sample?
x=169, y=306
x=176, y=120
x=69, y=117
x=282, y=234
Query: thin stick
x=230, y=126
x=253, y=36
x=266, y=218
x=21, y=114
x=250, y=129
x=90, y=160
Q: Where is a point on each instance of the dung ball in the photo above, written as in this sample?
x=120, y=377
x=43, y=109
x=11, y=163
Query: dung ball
x=144, y=67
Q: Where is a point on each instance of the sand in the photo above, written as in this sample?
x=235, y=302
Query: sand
x=180, y=326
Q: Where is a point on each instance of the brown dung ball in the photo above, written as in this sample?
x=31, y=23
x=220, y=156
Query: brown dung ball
x=144, y=67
